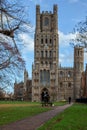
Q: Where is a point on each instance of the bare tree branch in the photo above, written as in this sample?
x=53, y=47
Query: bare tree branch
x=81, y=34
x=12, y=22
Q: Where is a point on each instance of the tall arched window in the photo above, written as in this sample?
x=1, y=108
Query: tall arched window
x=61, y=84
x=42, y=63
x=50, y=40
x=50, y=53
x=46, y=53
x=37, y=53
x=46, y=40
x=46, y=63
x=44, y=77
x=50, y=65
x=41, y=41
x=46, y=21
x=61, y=73
x=41, y=53
x=69, y=85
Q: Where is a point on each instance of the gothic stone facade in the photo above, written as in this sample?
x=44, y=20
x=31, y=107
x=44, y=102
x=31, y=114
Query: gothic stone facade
x=58, y=82
x=23, y=90
x=45, y=68
x=84, y=83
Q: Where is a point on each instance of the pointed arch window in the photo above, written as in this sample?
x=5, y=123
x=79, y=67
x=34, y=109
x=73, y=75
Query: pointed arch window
x=61, y=84
x=50, y=41
x=44, y=77
x=69, y=85
x=50, y=53
x=46, y=40
x=42, y=41
x=46, y=53
x=41, y=53
x=46, y=21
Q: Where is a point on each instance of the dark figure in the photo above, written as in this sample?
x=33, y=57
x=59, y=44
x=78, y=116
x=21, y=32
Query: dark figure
x=69, y=100
x=45, y=97
x=42, y=96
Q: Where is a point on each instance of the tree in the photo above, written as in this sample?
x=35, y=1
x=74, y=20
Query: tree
x=81, y=34
x=2, y=94
x=12, y=22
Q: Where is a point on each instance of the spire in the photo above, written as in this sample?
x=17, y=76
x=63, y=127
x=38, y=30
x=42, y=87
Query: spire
x=55, y=8
x=15, y=81
x=25, y=74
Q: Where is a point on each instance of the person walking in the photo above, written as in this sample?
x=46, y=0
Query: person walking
x=69, y=100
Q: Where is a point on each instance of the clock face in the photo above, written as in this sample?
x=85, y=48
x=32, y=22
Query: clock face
x=46, y=21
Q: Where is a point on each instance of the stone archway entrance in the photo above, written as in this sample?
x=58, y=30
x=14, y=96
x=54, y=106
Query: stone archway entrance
x=45, y=95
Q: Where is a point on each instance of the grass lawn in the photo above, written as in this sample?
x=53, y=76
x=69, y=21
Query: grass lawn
x=11, y=111
x=60, y=103
x=73, y=118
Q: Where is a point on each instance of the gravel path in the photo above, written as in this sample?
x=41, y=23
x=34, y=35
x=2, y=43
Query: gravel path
x=36, y=121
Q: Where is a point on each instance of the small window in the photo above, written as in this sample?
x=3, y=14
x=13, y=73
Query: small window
x=41, y=41
x=69, y=85
x=46, y=40
x=61, y=85
x=37, y=54
x=41, y=62
x=50, y=53
x=46, y=53
x=50, y=40
x=61, y=73
x=51, y=65
x=46, y=63
x=41, y=53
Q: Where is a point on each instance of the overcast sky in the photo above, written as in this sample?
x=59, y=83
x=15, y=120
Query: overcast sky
x=70, y=12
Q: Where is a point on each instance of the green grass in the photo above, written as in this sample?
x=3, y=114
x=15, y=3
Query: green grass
x=60, y=103
x=11, y=113
x=17, y=102
x=73, y=118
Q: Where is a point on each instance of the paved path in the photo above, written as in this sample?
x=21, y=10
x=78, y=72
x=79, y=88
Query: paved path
x=36, y=121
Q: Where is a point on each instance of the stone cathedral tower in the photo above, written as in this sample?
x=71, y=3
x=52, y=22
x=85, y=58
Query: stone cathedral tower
x=78, y=69
x=58, y=82
x=25, y=79
x=46, y=55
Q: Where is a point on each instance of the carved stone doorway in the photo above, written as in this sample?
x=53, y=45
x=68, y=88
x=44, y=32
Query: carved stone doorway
x=45, y=95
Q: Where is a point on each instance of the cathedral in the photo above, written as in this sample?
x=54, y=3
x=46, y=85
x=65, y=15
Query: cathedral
x=47, y=76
